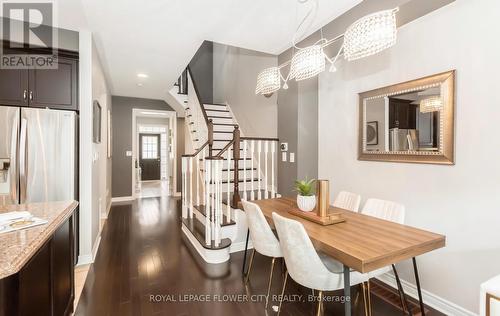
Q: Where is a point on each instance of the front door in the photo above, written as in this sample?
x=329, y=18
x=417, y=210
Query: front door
x=149, y=159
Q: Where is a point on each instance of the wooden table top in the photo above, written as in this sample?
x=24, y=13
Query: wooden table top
x=362, y=242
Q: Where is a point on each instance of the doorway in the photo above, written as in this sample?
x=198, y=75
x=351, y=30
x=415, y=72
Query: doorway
x=154, y=153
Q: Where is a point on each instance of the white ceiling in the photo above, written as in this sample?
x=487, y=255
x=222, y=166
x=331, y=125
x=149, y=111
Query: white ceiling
x=159, y=37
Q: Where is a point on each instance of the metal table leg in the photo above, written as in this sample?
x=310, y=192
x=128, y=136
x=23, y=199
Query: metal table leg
x=402, y=295
x=347, y=290
x=419, y=289
x=245, y=256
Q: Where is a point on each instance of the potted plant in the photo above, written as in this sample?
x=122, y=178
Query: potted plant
x=306, y=199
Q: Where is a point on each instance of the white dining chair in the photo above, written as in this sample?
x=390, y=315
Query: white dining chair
x=305, y=266
x=263, y=239
x=347, y=201
x=393, y=212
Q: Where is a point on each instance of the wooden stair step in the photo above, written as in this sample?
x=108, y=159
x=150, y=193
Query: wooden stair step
x=216, y=104
x=203, y=211
x=227, y=111
x=221, y=117
x=225, y=124
x=197, y=228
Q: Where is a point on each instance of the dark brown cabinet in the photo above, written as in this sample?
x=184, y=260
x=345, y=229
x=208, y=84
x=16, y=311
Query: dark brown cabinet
x=402, y=114
x=14, y=87
x=55, y=88
x=45, y=285
x=46, y=88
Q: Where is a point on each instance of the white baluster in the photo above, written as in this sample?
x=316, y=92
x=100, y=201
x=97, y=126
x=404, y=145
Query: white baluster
x=184, y=184
x=265, y=170
x=190, y=187
x=244, y=169
x=218, y=171
x=252, y=155
x=207, y=203
x=273, y=154
x=197, y=177
x=228, y=186
x=203, y=153
x=259, y=149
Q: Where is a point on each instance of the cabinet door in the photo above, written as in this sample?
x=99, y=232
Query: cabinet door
x=14, y=87
x=55, y=88
x=62, y=269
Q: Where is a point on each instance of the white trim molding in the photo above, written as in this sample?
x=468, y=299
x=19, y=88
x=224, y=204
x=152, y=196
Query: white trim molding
x=430, y=299
x=119, y=199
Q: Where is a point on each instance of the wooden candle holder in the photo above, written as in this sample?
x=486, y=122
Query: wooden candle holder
x=324, y=214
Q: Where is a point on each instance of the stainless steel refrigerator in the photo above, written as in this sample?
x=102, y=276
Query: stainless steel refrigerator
x=38, y=150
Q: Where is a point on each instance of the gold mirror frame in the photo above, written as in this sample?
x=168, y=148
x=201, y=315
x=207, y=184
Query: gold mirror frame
x=446, y=154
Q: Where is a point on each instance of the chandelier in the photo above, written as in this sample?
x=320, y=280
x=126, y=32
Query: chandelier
x=365, y=37
x=431, y=104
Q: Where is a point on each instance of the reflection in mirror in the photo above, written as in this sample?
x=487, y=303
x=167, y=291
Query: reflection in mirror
x=404, y=122
x=411, y=121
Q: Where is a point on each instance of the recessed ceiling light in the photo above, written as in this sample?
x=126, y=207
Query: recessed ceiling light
x=139, y=84
x=142, y=75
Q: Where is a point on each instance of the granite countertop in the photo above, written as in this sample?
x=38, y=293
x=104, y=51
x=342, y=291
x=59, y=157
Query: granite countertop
x=17, y=247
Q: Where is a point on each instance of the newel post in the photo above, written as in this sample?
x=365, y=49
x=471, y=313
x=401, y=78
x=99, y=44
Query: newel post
x=236, y=157
x=210, y=128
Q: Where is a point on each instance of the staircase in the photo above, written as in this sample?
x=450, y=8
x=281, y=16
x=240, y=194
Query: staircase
x=224, y=168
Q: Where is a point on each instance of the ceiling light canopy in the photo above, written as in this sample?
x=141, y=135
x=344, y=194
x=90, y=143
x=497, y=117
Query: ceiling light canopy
x=141, y=75
x=365, y=37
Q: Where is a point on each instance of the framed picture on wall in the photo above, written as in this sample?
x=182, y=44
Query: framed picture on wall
x=372, y=133
x=96, y=122
x=109, y=134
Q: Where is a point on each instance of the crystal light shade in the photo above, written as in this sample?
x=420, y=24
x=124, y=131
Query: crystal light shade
x=307, y=63
x=370, y=35
x=268, y=81
x=431, y=104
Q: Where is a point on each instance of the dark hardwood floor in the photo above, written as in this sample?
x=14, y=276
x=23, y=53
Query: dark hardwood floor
x=142, y=254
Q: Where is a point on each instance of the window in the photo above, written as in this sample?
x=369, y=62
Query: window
x=149, y=147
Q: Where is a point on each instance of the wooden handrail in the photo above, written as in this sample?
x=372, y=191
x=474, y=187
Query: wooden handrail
x=198, y=151
x=260, y=138
x=198, y=95
x=223, y=150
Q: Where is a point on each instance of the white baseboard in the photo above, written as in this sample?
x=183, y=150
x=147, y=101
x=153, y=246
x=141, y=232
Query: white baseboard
x=96, y=247
x=430, y=299
x=240, y=246
x=122, y=199
x=84, y=260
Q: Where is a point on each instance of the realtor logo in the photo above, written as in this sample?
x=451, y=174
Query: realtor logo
x=29, y=35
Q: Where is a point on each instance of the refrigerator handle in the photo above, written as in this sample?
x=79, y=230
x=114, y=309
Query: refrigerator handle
x=22, y=160
x=13, y=162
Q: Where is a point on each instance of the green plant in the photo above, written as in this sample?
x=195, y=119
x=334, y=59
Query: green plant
x=305, y=187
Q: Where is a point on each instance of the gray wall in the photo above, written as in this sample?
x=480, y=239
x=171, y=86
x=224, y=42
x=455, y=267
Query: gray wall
x=235, y=71
x=201, y=66
x=298, y=106
x=122, y=139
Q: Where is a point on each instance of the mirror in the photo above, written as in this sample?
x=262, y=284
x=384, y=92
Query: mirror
x=409, y=122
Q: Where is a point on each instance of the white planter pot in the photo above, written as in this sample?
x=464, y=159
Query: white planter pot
x=306, y=203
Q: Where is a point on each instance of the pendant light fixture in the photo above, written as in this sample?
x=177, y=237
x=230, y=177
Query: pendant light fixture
x=431, y=104
x=370, y=35
x=365, y=37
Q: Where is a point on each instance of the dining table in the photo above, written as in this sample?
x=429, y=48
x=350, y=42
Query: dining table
x=362, y=243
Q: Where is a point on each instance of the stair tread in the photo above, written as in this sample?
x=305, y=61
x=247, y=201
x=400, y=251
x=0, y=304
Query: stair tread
x=232, y=169
x=225, y=124
x=249, y=194
x=217, y=110
x=197, y=228
x=221, y=117
x=203, y=211
x=217, y=104
x=232, y=159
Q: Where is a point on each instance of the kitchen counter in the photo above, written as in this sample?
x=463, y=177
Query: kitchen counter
x=18, y=247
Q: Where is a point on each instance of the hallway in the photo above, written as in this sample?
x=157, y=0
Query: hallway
x=142, y=254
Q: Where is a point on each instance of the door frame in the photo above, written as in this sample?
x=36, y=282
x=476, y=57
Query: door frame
x=172, y=123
